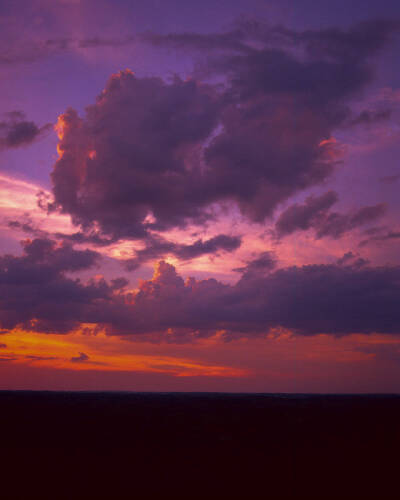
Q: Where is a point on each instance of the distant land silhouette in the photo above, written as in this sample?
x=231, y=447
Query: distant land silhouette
x=198, y=445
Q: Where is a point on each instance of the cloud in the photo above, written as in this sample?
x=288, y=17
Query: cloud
x=16, y=131
x=128, y=159
x=157, y=247
x=259, y=266
x=3, y=346
x=154, y=156
x=336, y=224
x=361, y=39
x=351, y=259
x=388, y=236
x=35, y=293
x=41, y=358
x=8, y=358
x=19, y=205
x=334, y=299
x=368, y=117
x=303, y=217
x=314, y=214
x=28, y=51
x=47, y=256
x=81, y=358
x=307, y=300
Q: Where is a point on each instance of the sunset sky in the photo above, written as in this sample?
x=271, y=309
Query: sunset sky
x=200, y=196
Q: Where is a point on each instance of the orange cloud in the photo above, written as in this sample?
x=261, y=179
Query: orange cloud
x=83, y=351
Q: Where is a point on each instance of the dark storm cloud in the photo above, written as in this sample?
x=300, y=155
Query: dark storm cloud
x=145, y=134
x=156, y=155
x=309, y=300
x=314, y=214
x=334, y=299
x=16, y=131
x=157, y=247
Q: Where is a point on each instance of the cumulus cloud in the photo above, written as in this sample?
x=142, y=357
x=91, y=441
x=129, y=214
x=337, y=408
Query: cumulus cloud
x=151, y=155
x=129, y=157
x=308, y=300
x=334, y=299
x=35, y=290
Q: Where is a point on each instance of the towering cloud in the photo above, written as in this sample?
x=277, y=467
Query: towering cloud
x=135, y=155
x=151, y=156
x=36, y=294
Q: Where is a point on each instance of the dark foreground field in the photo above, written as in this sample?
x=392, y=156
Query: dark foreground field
x=137, y=445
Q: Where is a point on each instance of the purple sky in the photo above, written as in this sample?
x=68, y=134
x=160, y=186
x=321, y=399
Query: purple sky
x=200, y=196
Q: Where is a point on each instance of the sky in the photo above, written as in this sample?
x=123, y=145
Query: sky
x=200, y=196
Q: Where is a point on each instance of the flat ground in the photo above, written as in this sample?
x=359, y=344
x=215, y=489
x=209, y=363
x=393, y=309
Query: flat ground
x=150, y=445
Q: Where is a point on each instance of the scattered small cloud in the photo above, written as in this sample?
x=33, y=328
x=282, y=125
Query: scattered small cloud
x=80, y=359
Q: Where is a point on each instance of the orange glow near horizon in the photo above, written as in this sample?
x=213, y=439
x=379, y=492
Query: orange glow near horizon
x=104, y=353
x=278, y=362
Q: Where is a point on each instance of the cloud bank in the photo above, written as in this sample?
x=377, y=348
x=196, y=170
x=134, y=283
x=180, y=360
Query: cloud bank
x=38, y=295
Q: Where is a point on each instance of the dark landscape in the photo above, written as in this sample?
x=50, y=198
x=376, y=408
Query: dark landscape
x=198, y=445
